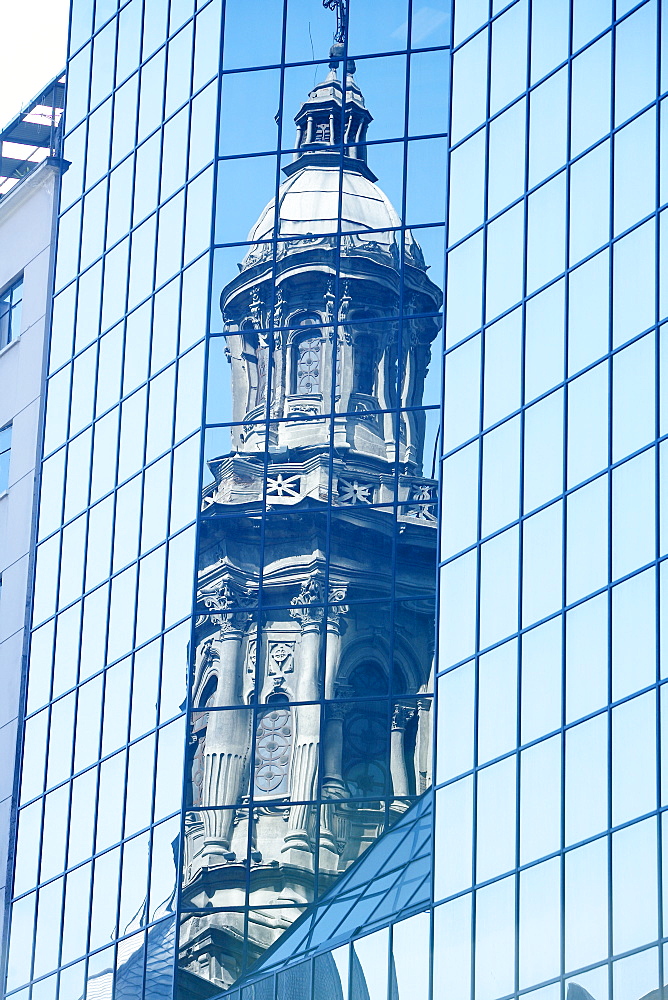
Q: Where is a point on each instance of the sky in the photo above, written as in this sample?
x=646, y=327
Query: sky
x=37, y=30
x=35, y=33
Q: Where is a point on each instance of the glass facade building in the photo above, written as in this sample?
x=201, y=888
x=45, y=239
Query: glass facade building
x=352, y=462
x=549, y=746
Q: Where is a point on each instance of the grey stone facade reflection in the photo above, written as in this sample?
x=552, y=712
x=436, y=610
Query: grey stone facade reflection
x=312, y=686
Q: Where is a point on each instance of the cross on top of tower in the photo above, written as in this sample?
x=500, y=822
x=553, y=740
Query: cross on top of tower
x=341, y=8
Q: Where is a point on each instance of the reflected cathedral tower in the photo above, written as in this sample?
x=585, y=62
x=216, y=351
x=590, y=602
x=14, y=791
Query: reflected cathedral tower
x=314, y=643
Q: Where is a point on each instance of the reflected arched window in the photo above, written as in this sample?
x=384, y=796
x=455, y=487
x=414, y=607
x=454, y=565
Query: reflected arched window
x=364, y=366
x=306, y=348
x=368, y=679
x=365, y=763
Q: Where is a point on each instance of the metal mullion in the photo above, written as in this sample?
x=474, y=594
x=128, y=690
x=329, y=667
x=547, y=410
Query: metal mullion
x=188, y=138
x=606, y=468
x=587, y=149
x=548, y=392
x=126, y=764
x=392, y=141
x=145, y=388
x=370, y=798
x=661, y=859
x=122, y=844
x=332, y=418
x=185, y=187
x=611, y=216
x=151, y=827
x=70, y=782
x=520, y=553
x=380, y=410
x=476, y=709
x=397, y=417
x=244, y=244
x=125, y=334
x=267, y=422
x=85, y=122
x=31, y=630
x=316, y=63
x=389, y=961
x=272, y=607
x=252, y=803
x=112, y=576
x=42, y=795
x=169, y=452
x=437, y=595
x=554, y=614
x=98, y=28
x=97, y=365
x=564, y=518
x=94, y=855
x=36, y=908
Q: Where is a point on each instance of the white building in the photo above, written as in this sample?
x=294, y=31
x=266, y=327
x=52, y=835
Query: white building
x=29, y=173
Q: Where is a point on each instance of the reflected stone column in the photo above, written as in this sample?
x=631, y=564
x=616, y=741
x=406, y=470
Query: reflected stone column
x=228, y=733
x=423, y=746
x=333, y=750
x=331, y=826
x=305, y=748
x=401, y=716
x=332, y=783
x=335, y=627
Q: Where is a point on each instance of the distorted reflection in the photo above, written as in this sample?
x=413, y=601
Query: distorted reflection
x=311, y=689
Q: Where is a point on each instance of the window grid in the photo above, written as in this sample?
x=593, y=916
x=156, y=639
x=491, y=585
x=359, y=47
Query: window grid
x=558, y=389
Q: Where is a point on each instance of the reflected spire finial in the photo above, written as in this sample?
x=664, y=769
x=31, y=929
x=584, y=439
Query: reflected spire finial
x=341, y=8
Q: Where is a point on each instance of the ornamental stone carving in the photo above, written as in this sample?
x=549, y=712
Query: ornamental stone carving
x=307, y=605
x=281, y=658
x=231, y=608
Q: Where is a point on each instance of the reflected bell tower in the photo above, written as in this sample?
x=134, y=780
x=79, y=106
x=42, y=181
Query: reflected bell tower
x=314, y=643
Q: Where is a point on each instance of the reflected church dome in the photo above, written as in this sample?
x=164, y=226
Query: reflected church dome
x=310, y=205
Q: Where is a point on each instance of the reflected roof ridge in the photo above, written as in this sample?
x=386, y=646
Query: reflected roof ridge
x=394, y=870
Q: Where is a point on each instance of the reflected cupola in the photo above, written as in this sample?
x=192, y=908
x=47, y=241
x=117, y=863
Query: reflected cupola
x=332, y=310
x=324, y=127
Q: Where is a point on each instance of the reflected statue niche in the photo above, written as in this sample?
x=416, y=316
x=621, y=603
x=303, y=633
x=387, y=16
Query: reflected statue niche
x=313, y=654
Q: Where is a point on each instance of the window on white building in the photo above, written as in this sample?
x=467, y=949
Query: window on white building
x=10, y=312
x=5, y=449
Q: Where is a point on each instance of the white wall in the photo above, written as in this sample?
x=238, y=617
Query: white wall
x=26, y=219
